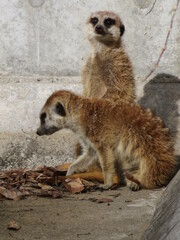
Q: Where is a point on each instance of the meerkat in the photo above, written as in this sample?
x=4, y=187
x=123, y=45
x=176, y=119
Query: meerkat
x=115, y=133
x=108, y=71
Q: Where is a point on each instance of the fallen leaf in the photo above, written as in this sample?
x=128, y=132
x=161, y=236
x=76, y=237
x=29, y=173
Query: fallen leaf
x=12, y=225
x=2, y=175
x=10, y=194
x=57, y=194
x=87, y=183
x=39, y=169
x=93, y=199
x=104, y=200
x=115, y=195
x=49, y=171
x=48, y=193
x=45, y=186
x=40, y=175
x=74, y=185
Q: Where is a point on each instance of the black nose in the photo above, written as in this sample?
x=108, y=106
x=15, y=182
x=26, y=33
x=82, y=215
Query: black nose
x=37, y=133
x=99, y=29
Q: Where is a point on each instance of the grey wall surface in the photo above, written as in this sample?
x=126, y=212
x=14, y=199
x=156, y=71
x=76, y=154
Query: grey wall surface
x=43, y=47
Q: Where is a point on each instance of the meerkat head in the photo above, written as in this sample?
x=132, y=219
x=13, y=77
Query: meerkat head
x=54, y=114
x=105, y=27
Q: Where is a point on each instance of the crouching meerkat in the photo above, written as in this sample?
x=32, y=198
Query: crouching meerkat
x=108, y=71
x=115, y=133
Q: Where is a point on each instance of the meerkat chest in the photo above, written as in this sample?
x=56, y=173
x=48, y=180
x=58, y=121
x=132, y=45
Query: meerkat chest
x=96, y=86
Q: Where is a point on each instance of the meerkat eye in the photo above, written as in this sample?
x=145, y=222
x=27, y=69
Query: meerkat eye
x=60, y=109
x=109, y=22
x=42, y=117
x=122, y=30
x=94, y=20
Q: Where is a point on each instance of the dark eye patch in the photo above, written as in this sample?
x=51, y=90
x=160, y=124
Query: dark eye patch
x=122, y=30
x=42, y=117
x=94, y=20
x=108, y=22
x=60, y=109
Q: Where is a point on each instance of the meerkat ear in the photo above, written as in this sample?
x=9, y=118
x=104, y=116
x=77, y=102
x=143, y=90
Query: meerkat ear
x=122, y=29
x=60, y=109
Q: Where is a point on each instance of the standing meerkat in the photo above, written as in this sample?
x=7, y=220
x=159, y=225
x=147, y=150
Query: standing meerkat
x=115, y=133
x=108, y=71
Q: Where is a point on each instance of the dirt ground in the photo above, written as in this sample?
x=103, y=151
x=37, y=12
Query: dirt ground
x=80, y=216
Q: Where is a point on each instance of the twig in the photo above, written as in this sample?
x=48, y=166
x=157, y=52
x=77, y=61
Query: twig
x=83, y=234
x=165, y=45
x=151, y=8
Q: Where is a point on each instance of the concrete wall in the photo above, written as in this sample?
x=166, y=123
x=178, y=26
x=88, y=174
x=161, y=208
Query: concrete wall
x=42, y=49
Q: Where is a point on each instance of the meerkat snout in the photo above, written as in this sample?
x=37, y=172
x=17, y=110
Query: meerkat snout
x=38, y=132
x=41, y=130
x=99, y=29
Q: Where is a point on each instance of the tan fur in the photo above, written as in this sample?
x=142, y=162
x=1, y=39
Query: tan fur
x=108, y=71
x=114, y=133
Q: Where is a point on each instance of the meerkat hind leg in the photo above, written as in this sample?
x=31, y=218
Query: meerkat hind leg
x=107, y=162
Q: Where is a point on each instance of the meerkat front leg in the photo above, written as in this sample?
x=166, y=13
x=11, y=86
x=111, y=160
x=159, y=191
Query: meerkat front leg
x=84, y=161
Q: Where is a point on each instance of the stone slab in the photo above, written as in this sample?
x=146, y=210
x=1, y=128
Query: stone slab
x=165, y=224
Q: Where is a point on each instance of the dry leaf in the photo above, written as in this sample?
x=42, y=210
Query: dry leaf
x=10, y=194
x=87, y=183
x=12, y=225
x=45, y=186
x=49, y=171
x=57, y=194
x=104, y=200
x=39, y=169
x=93, y=199
x=74, y=185
x=2, y=175
x=48, y=193
x=115, y=195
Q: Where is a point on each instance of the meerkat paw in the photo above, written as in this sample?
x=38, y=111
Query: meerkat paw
x=70, y=171
x=132, y=181
x=133, y=186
